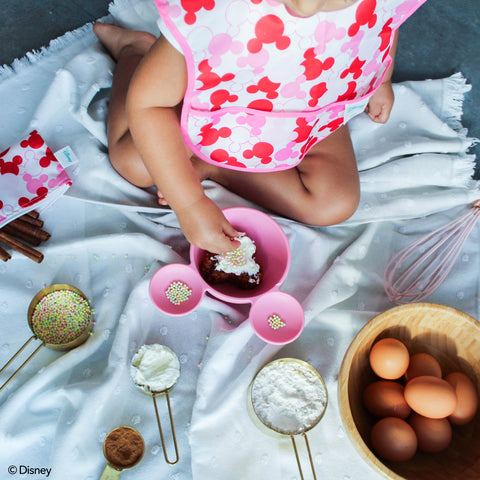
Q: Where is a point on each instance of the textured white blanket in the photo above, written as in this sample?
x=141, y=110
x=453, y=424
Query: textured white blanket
x=109, y=237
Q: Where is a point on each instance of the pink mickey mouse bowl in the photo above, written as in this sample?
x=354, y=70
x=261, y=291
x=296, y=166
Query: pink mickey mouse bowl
x=276, y=317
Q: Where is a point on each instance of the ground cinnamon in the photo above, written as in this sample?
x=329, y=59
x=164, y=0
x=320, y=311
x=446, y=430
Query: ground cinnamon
x=123, y=447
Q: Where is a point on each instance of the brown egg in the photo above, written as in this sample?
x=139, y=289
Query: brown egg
x=467, y=398
x=394, y=439
x=389, y=358
x=384, y=398
x=423, y=364
x=430, y=396
x=433, y=434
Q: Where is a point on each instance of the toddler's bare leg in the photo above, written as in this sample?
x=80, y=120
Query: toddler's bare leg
x=322, y=190
x=127, y=48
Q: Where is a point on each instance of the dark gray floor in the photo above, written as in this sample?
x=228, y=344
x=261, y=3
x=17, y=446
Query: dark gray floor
x=442, y=38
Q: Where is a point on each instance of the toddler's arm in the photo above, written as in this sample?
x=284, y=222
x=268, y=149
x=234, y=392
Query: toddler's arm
x=157, y=87
x=381, y=102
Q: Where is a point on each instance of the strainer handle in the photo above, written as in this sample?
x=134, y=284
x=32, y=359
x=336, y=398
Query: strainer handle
x=23, y=364
x=171, y=462
x=309, y=456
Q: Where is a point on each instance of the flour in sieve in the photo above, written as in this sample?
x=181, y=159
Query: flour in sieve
x=288, y=397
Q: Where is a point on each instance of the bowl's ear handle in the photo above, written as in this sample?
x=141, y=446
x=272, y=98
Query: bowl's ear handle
x=309, y=456
x=23, y=364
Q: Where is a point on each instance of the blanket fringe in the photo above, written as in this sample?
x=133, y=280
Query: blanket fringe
x=463, y=170
x=455, y=86
x=56, y=45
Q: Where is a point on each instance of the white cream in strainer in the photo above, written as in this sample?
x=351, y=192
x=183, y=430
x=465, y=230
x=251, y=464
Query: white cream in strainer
x=155, y=368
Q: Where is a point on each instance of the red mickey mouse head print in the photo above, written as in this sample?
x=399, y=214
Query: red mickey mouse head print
x=365, y=15
x=265, y=85
x=25, y=202
x=34, y=141
x=269, y=29
x=47, y=159
x=210, y=135
x=219, y=97
x=11, y=167
x=193, y=6
x=209, y=78
x=222, y=156
x=313, y=66
x=261, y=150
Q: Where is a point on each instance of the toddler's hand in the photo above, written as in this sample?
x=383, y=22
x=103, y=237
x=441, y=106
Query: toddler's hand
x=205, y=226
x=381, y=103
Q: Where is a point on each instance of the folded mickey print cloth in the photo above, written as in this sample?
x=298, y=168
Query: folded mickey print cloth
x=30, y=177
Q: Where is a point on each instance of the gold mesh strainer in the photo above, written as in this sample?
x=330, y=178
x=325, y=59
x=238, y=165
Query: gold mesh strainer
x=61, y=317
x=272, y=396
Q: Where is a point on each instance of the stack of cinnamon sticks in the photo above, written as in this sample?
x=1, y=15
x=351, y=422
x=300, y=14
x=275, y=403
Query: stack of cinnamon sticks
x=22, y=234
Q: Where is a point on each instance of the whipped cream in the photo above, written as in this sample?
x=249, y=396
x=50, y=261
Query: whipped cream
x=155, y=368
x=239, y=260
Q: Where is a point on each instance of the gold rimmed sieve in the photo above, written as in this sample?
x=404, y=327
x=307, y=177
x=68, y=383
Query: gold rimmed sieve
x=123, y=448
x=288, y=379
x=163, y=373
x=60, y=316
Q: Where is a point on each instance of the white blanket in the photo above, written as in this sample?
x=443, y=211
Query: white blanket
x=109, y=237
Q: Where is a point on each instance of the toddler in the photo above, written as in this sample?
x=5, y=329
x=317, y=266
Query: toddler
x=255, y=95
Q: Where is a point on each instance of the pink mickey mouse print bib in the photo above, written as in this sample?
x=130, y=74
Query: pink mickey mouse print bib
x=30, y=177
x=264, y=86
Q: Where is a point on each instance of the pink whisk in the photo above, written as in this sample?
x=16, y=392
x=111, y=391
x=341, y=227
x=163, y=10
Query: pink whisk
x=416, y=271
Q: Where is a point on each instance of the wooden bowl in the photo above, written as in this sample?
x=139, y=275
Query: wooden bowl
x=453, y=338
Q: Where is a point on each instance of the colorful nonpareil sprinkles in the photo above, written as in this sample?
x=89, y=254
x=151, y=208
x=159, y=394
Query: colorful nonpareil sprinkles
x=178, y=292
x=237, y=257
x=275, y=322
x=61, y=317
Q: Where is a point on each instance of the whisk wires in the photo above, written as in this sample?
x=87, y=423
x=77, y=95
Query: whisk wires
x=416, y=272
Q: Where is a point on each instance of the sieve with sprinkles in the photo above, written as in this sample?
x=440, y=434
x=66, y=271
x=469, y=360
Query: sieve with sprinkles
x=60, y=317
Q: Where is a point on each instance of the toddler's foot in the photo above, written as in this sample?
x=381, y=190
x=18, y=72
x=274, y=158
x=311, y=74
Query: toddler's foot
x=161, y=199
x=116, y=39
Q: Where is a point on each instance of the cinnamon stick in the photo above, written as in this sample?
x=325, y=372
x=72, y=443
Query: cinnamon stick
x=32, y=220
x=20, y=247
x=4, y=255
x=11, y=230
x=33, y=214
x=30, y=230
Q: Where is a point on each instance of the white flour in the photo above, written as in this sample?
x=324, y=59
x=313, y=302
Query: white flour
x=288, y=397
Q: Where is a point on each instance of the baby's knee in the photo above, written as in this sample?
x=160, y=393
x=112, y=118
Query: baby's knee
x=333, y=209
x=127, y=162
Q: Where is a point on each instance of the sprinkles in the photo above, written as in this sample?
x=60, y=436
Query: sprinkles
x=178, y=292
x=60, y=317
x=275, y=322
x=237, y=257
